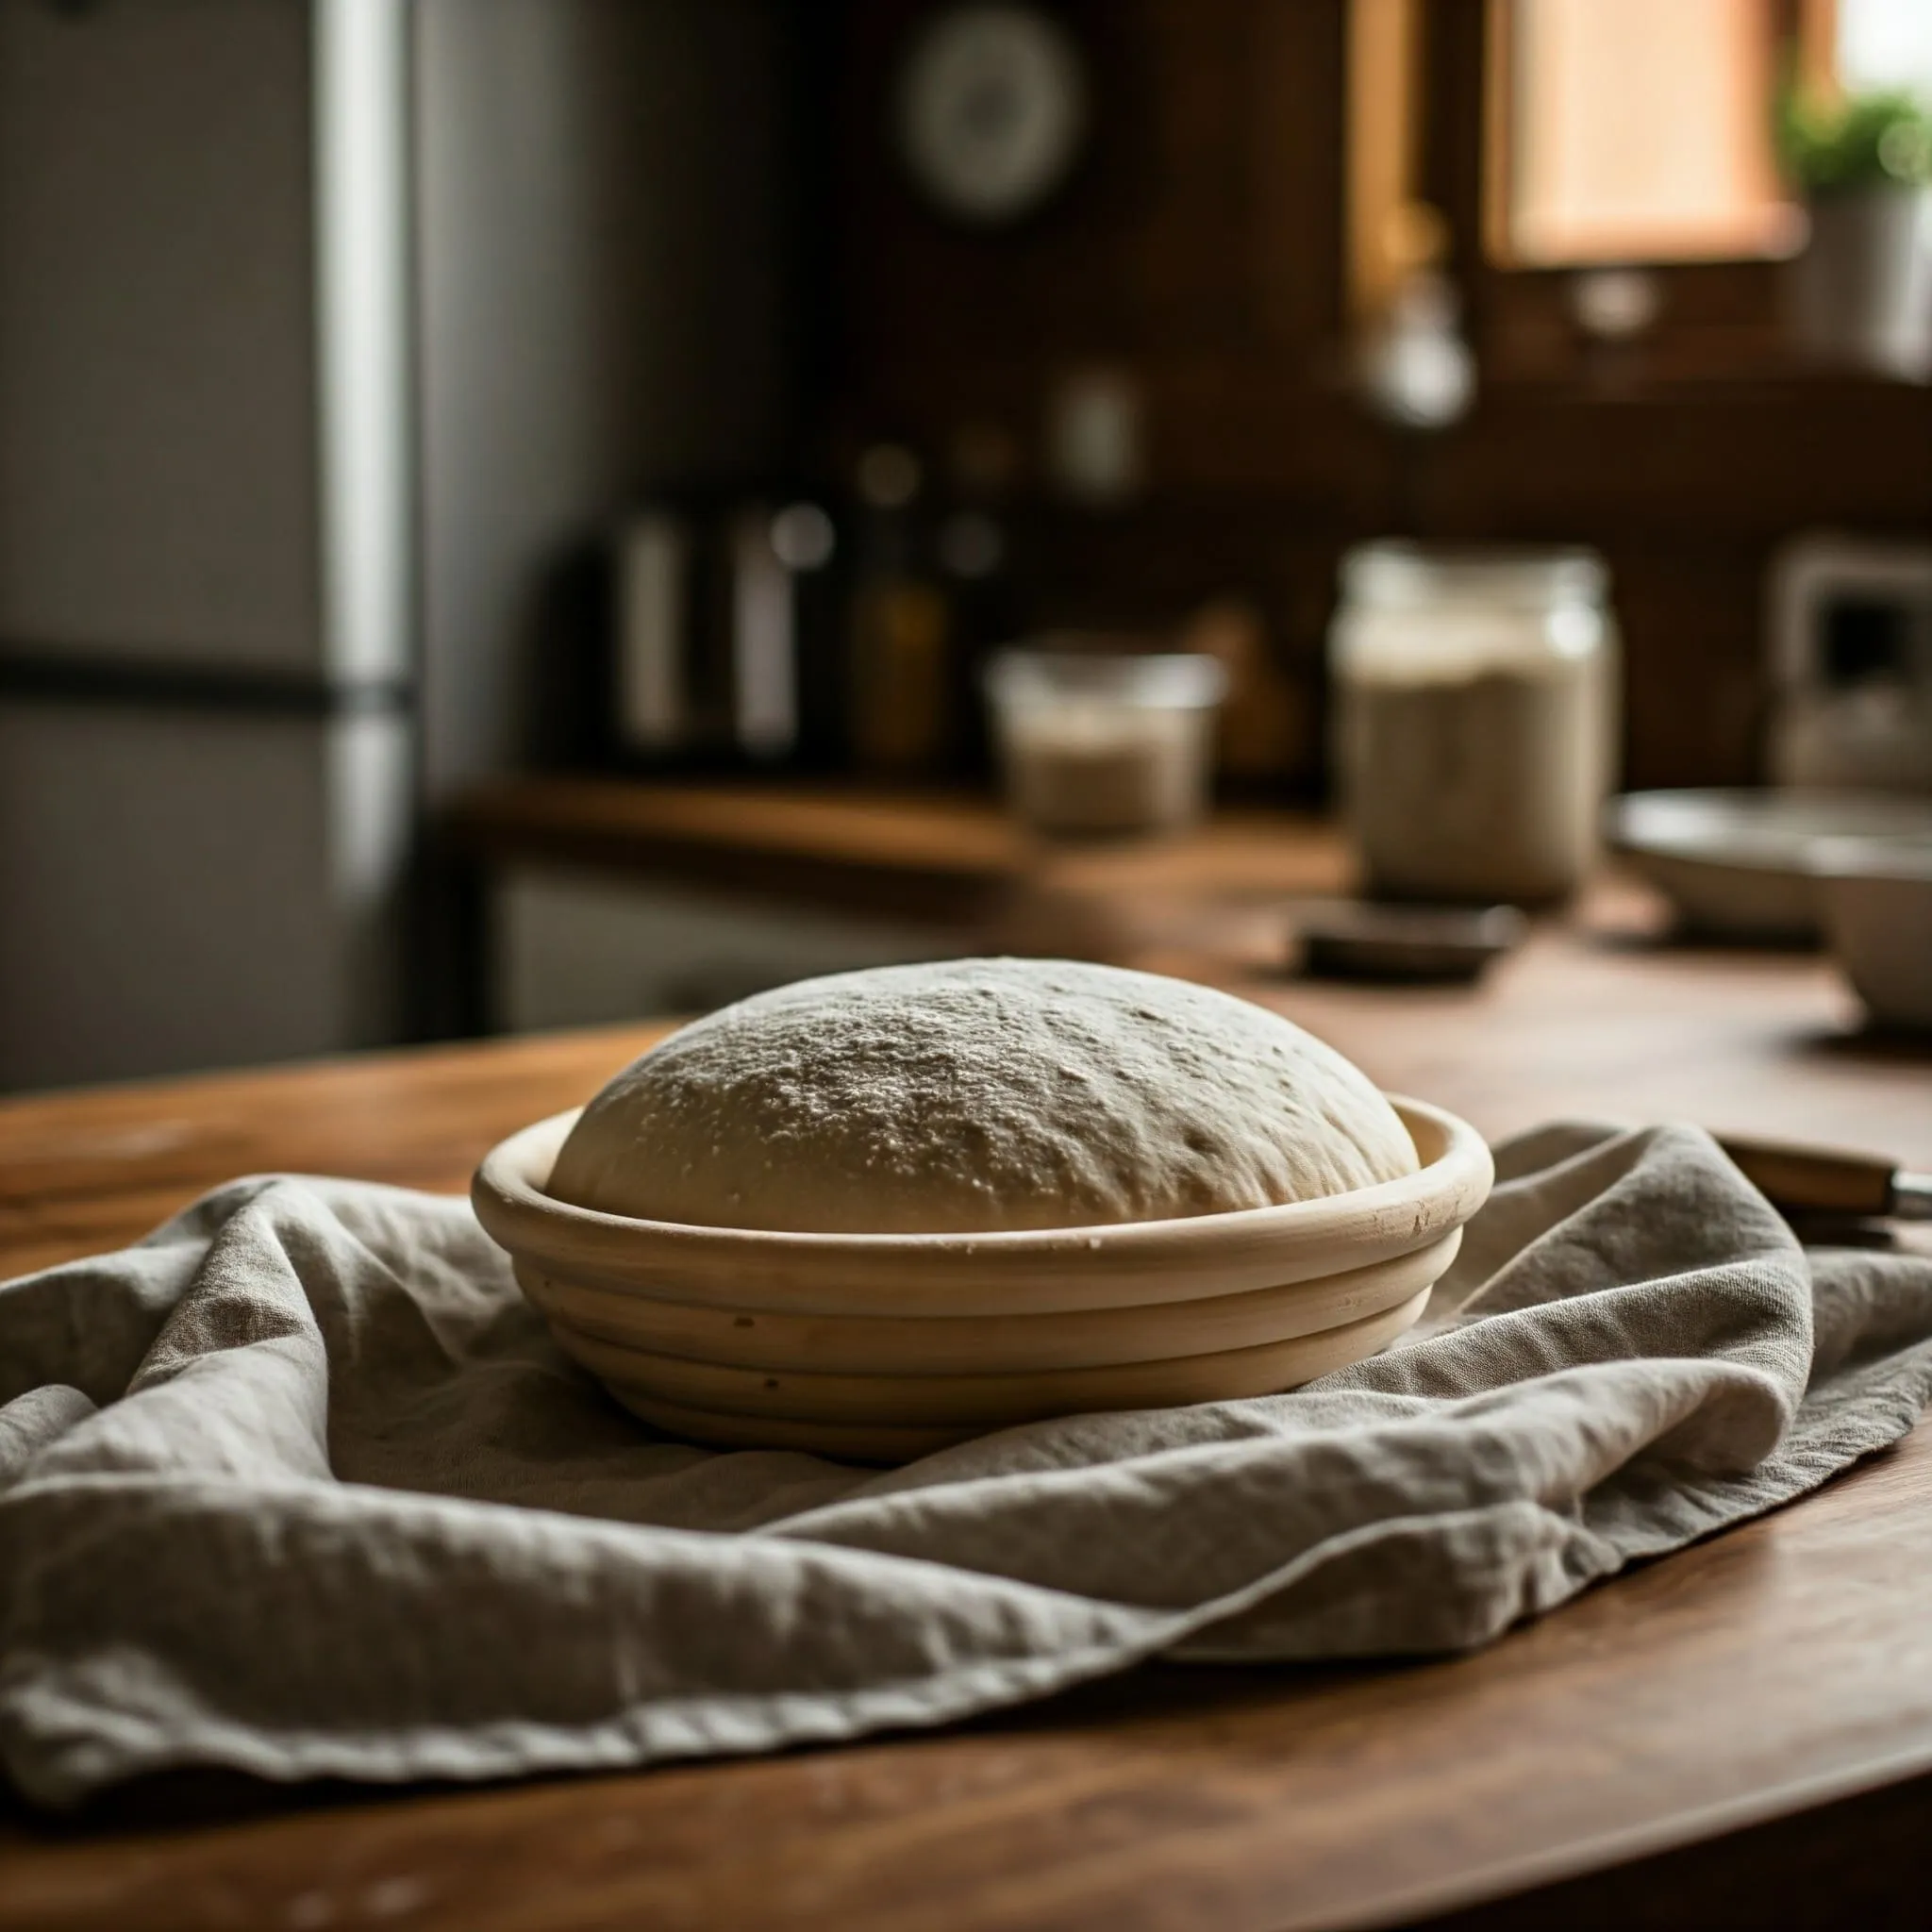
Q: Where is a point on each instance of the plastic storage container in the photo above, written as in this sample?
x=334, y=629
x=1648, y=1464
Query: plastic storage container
x=1104, y=744
x=1476, y=719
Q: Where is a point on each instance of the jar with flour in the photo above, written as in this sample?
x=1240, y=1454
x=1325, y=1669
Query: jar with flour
x=1476, y=719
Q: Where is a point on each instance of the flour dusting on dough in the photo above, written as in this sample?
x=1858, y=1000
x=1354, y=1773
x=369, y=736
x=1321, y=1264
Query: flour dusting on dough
x=979, y=1094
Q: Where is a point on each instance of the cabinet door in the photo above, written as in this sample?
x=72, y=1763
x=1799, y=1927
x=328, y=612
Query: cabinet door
x=580, y=949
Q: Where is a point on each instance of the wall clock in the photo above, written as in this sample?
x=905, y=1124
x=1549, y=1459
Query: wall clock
x=990, y=110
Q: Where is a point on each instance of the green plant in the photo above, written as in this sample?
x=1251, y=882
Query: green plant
x=1855, y=140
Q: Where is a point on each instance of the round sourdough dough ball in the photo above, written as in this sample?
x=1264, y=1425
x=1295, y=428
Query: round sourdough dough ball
x=974, y=1095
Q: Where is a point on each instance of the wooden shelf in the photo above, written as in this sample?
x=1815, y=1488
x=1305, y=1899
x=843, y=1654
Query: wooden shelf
x=948, y=859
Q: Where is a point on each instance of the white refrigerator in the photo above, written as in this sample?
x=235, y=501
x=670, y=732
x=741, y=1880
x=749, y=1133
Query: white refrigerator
x=326, y=327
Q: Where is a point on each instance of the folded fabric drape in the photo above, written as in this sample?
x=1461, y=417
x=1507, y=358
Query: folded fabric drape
x=300, y=1486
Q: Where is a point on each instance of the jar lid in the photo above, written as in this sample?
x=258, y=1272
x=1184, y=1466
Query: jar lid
x=1397, y=575
x=1178, y=680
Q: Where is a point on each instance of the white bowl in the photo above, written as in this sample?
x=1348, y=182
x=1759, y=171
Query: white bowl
x=1878, y=901
x=1737, y=863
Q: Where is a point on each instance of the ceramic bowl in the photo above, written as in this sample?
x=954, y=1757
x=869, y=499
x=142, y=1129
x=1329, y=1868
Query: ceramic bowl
x=1877, y=895
x=882, y=1346
x=1738, y=864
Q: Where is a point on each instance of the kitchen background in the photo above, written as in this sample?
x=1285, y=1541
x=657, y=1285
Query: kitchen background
x=400, y=394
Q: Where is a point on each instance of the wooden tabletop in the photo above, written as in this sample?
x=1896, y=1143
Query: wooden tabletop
x=1748, y=1721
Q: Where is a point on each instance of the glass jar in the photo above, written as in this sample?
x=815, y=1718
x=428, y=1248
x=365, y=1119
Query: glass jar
x=1096, y=743
x=1476, y=719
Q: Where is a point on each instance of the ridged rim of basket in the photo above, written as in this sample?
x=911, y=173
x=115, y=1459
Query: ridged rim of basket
x=1122, y=1264
x=768, y=1342
x=998, y=1399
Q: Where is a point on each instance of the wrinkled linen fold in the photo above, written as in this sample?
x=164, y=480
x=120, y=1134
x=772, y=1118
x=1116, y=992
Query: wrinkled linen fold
x=299, y=1486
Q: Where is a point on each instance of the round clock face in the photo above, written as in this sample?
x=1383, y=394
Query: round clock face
x=991, y=107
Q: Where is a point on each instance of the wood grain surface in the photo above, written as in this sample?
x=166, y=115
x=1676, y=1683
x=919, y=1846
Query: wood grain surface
x=95, y=1168
x=1776, y=1672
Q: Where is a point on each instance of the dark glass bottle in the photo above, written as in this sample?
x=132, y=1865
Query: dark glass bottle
x=901, y=690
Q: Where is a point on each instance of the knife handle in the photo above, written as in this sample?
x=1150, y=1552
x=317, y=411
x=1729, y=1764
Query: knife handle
x=1814, y=1178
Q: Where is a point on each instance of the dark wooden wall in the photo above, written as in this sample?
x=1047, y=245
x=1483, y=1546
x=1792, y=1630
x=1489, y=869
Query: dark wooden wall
x=1200, y=249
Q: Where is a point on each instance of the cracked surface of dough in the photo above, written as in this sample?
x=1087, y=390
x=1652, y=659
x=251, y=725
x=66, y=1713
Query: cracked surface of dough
x=973, y=1095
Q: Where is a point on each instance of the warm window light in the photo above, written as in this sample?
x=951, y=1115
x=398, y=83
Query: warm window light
x=1638, y=131
x=1883, y=44
x=1617, y=133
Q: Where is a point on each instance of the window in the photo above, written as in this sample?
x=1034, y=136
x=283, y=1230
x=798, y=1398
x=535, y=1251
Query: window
x=1641, y=132
x=1883, y=43
x=1636, y=132
x=1527, y=146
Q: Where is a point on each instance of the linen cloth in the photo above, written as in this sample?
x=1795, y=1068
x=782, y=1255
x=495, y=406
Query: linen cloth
x=299, y=1485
